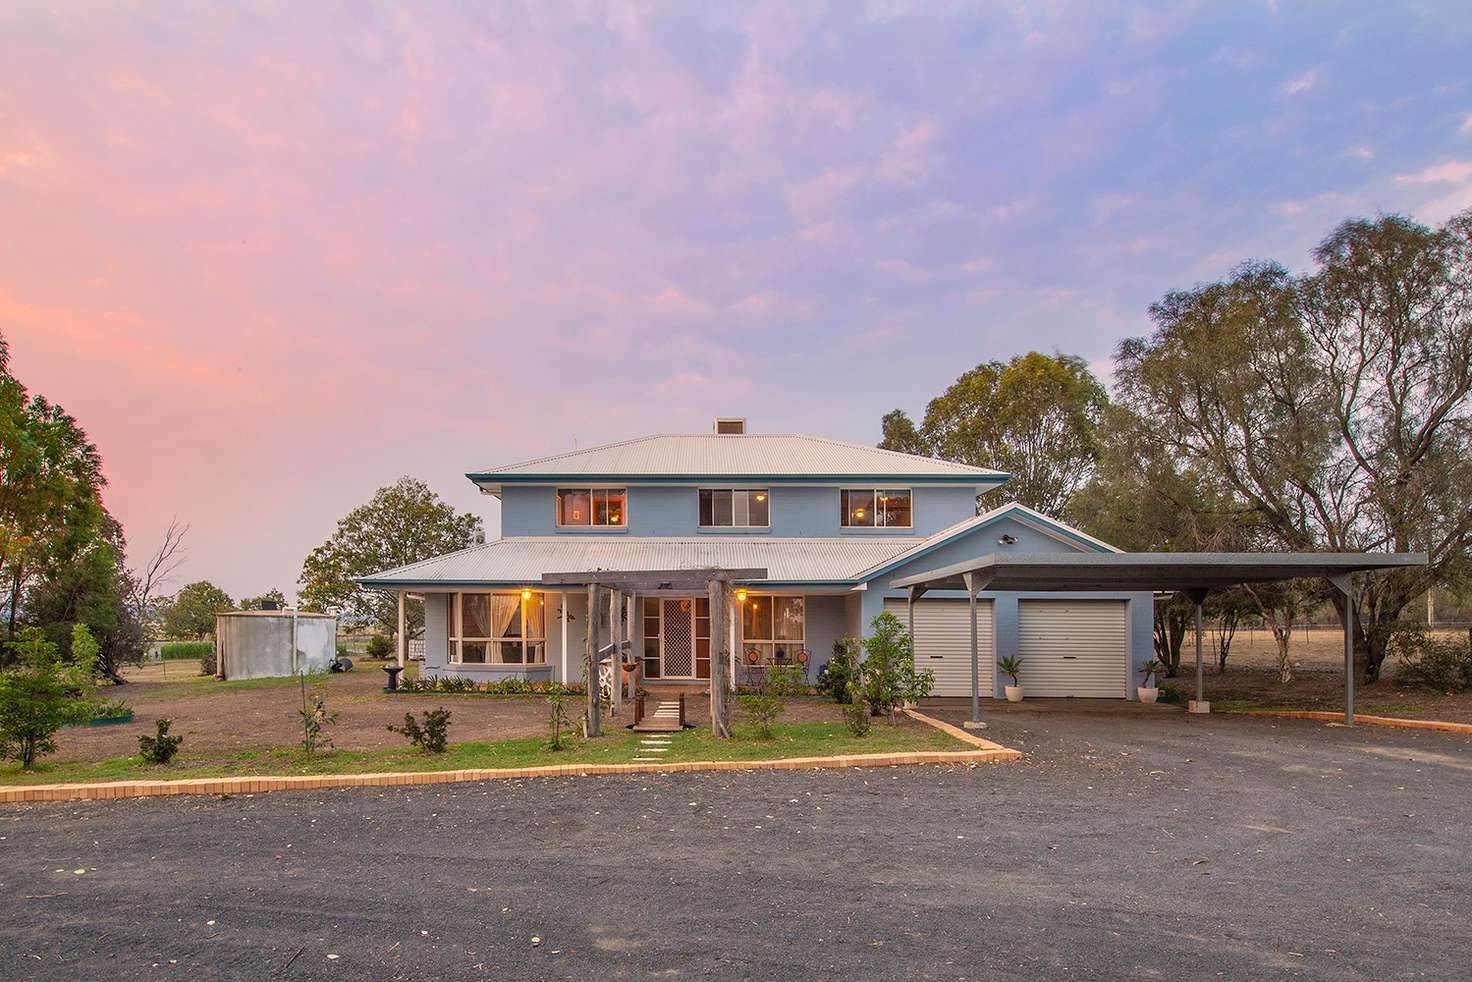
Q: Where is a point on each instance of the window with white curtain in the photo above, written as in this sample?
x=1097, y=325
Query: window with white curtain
x=498, y=628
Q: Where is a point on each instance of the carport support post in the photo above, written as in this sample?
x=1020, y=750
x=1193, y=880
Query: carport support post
x=1199, y=704
x=974, y=583
x=717, y=591
x=1345, y=583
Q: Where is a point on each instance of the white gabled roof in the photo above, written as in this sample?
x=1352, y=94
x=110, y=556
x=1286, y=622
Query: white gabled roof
x=523, y=560
x=745, y=456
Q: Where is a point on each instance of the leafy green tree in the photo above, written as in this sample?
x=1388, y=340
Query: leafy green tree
x=1035, y=416
x=1333, y=405
x=273, y=595
x=51, y=486
x=403, y=523
x=33, y=699
x=890, y=678
x=191, y=614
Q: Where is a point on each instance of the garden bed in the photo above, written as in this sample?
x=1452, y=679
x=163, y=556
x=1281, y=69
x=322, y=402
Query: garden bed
x=616, y=746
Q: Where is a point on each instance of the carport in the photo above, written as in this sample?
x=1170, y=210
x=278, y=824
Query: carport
x=1194, y=574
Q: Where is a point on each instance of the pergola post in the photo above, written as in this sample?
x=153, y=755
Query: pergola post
x=1345, y=583
x=717, y=600
x=403, y=633
x=590, y=654
x=1199, y=704
x=616, y=639
x=635, y=657
x=974, y=583
x=562, y=615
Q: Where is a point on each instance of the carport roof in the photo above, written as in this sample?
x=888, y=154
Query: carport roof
x=1163, y=571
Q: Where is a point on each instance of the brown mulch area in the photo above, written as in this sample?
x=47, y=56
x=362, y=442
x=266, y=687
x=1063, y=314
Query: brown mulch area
x=1324, y=690
x=211, y=716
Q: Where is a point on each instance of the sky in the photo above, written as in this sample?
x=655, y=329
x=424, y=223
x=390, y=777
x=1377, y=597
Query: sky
x=276, y=255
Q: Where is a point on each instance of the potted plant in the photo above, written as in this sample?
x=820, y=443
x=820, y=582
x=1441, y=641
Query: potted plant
x=1149, y=689
x=1010, y=666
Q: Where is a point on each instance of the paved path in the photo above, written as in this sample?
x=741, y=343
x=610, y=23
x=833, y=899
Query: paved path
x=1154, y=846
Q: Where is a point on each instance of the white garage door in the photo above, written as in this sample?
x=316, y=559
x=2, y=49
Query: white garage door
x=943, y=644
x=1073, y=647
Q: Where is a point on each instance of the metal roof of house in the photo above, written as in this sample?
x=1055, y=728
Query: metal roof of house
x=747, y=456
x=523, y=560
x=1166, y=571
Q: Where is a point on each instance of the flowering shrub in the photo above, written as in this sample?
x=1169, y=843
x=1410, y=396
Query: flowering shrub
x=494, y=687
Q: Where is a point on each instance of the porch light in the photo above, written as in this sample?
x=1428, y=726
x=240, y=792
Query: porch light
x=761, y=497
x=526, y=594
x=741, y=596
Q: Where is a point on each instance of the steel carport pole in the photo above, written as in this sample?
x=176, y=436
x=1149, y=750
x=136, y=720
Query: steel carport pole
x=1345, y=583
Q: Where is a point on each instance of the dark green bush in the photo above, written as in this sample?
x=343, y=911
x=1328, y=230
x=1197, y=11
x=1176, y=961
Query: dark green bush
x=207, y=663
x=1431, y=662
x=380, y=646
x=834, y=678
x=433, y=736
x=159, y=748
x=496, y=687
x=184, y=650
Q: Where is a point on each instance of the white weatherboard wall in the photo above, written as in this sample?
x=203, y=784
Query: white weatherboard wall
x=943, y=643
x=1073, y=647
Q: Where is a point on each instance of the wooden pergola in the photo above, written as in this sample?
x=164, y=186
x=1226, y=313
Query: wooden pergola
x=623, y=588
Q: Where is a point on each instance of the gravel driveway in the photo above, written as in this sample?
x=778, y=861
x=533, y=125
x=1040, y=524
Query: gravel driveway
x=1125, y=844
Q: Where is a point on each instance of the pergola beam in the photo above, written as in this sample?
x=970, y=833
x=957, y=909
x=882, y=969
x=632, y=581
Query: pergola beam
x=647, y=581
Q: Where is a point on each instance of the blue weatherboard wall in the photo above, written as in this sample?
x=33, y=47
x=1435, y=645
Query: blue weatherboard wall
x=675, y=511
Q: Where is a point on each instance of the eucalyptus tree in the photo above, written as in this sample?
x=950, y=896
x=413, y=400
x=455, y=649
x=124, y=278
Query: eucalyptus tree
x=1036, y=416
x=1333, y=405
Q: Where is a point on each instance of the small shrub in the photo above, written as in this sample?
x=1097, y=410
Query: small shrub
x=342, y=650
x=785, y=681
x=207, y=663
x=159, y=748
x=315, y=718
x=556, y=721
x=108, y=709
x=842, y=668
x=433, y=736
x=33, y=699
x=1431, y=662
x=380, y=647
x=762, y=709
x=890, y=678
x=1170, y=694
x=856, y=717
x=185, y=650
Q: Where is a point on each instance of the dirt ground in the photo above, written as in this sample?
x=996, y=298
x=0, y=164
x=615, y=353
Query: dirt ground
x=1318, y=664
x=214, y=716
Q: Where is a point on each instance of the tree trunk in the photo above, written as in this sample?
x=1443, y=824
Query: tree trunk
x=14, y=598
x=1281, y=635
x=1171, y=622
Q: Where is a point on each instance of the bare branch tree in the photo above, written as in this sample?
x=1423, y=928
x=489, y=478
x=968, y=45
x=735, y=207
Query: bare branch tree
x=148, y=583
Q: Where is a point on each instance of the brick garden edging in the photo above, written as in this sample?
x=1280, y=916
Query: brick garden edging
x=1445, y=726
x=985, y=752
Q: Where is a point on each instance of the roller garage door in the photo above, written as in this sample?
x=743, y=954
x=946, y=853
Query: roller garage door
x=1073, y=647
x=943, y=643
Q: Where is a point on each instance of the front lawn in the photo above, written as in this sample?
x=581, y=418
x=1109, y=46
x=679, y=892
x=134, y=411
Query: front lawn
x=620, y=746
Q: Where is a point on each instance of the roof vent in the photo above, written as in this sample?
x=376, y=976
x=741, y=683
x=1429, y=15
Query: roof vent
x=730, y=425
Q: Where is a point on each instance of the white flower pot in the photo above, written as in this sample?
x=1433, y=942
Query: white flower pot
x=1148, y=693
x=1014, y=693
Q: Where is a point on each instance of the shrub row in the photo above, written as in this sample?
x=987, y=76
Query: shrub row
x=179, y=650
x=495, y=687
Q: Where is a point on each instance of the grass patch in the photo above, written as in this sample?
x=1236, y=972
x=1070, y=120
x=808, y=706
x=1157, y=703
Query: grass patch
x=1250, y=705
x=620, y=746
x=179, y=650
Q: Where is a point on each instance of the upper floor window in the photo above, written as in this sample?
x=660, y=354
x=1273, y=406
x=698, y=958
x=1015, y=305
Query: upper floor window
x=592, y=507
x=741, y=508
x=875, y=508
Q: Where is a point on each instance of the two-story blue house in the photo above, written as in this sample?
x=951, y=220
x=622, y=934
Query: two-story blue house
x=832, y=523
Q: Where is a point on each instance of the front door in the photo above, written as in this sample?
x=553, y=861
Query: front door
x=684, y=638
